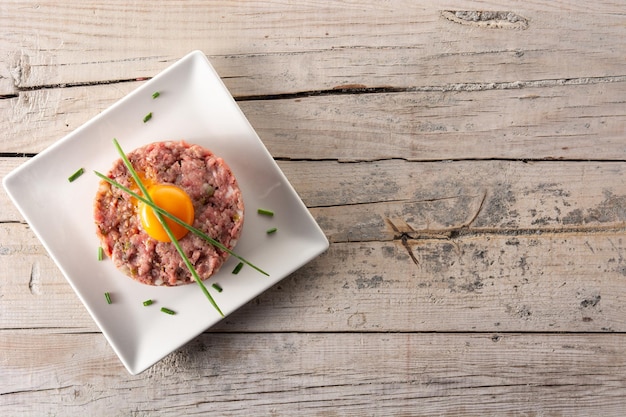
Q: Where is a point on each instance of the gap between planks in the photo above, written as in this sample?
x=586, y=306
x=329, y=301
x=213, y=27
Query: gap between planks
x=363, y=89
x=374, y=160
x=69, y=331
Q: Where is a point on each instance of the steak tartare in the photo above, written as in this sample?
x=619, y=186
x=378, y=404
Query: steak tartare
x=218, y=211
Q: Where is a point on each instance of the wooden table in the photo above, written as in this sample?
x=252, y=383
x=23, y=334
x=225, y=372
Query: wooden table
x=465, y=159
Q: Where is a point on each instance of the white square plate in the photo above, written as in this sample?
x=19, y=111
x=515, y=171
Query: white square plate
x=194, y=105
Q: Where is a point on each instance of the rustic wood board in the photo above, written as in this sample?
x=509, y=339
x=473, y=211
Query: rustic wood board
x=322, y=374
x=276, y=48
x=542, y=122
x=465, y=159
x=526, y=282
x=380, y=200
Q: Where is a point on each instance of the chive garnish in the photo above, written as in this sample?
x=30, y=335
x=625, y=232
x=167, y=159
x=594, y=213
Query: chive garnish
x=216, y=287
x=77, y=174
x=238, y=268
x=147, y=303
x=165, y=226
x=165, y=213
x=155, y=94
x=147, y=117
x=265, y=212
x=168, y=311
x=100, y=253
x=272, y=230
x=107, y=296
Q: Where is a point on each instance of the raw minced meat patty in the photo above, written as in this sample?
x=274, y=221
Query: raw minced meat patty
x=217, y=203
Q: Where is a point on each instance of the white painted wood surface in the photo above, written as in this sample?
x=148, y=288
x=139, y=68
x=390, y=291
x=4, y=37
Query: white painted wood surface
x=465, y=159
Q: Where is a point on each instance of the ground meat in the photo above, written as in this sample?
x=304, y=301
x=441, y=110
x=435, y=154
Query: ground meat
x=217, y=202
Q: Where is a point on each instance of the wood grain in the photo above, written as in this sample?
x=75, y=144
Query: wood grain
x=378, y=200
x=465, y=159
x=276, y=48
x=347, y=374
x=557, y=121
x=526, y=282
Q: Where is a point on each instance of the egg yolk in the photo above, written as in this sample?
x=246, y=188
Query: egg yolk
x=173, y=200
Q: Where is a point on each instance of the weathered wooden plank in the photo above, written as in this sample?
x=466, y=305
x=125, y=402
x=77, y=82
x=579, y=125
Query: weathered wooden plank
x=8, y=211
x=380, y=200
x=262, y=48
x=34, y=120
x=542, y=122
x=570, y=282
x=434, y=267
x=548, y=122
x=320, y=374
x=477, y=282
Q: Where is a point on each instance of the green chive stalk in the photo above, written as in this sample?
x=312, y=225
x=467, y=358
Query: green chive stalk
x=75, y=175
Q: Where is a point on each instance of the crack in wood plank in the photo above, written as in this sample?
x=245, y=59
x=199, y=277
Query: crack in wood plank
x=408, y=249
x=35, y=390
x=34, y=281
x=450, y=87
x=359, y=89
x=487, y=19
x=477, y=213
x=17, y=154
x=403, y=237
x=75, y=84
x=406, y=233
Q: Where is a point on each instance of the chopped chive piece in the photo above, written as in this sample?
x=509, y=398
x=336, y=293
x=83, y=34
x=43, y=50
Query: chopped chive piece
x=100, y=253
x=216, y=287
x=147, y=117
x=156, y=94
x=168, y=311
x=272, y=230
x=147, y=303
x=238, y=268
x=265, y=212
x=75, y=175
x=108, y=297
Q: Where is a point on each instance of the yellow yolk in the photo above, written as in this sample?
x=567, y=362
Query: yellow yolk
x=173, y=200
